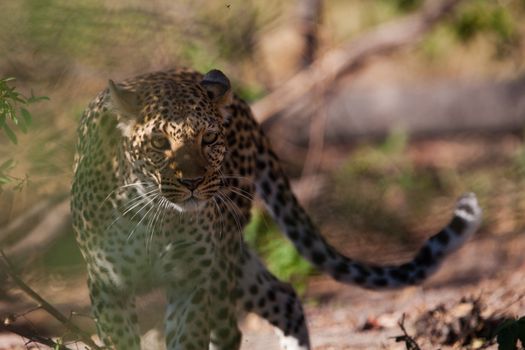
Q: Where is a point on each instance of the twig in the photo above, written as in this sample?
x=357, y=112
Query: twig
x=6, y=266
x=33, y=337
x=410, y=343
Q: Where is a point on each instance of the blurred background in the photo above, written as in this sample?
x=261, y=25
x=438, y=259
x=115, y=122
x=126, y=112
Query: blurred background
x=382, y=111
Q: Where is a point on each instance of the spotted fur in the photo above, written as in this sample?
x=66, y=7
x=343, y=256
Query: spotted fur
x=166, y=168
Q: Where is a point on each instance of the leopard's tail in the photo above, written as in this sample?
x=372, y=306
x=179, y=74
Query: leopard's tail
x=273, y=186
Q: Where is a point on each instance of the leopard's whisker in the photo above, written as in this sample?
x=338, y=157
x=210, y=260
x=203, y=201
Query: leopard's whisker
x=137, y=184
x=234, y=211
x=242, y=193
x=142, y=219
x=132, y=203
x=151, y=225
x=136, y=202
x=233, y=176
x=221, y=216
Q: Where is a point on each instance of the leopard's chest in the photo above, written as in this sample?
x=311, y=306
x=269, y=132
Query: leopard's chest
x=148, y=250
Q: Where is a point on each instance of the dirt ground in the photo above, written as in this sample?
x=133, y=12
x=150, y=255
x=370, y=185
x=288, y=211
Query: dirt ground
x=482, y=283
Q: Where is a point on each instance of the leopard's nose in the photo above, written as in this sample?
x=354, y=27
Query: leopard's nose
x=192, y=183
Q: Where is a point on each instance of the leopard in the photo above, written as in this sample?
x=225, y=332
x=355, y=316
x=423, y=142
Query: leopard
x=167, y=167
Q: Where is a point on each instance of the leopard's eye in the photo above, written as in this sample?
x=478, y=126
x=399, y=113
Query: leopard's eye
x=160, y=142
x=210, y=137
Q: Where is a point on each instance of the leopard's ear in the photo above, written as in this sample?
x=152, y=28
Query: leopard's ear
x=218, y=87
x=124, y=101
x=126, y=104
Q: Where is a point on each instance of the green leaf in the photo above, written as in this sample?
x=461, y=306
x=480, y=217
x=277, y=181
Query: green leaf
x=26, y=115
x=7, y=165
x=4, y=180
x=21, y=124
x=33, y=98
x=10, y=134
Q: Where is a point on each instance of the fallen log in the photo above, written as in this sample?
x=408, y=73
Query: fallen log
x=421, y=110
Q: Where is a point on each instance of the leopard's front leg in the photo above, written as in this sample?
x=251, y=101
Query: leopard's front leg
x=115, y=316
x=225, y=333
x=187, y=323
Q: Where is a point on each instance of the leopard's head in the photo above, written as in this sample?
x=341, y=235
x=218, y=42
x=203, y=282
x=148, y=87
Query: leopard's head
x=173, y=134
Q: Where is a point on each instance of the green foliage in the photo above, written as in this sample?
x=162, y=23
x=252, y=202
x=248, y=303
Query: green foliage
x=280, y=255
x=482, y=16
x=250, y=92
x=404, y=5
x=496, y=23
x=510, y=332
x=492, y=19
x=59, y=344
x=12, y=109
x=5, y=167
x=13, y=112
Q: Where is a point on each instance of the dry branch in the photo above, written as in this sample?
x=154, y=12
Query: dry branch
x=324, y=71
x=7, y=268
x=32, y=336
x=410, y=343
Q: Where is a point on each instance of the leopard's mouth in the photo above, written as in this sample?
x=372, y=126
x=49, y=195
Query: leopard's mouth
x=187, y=200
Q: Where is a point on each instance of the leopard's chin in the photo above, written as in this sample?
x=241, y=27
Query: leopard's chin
x=189, y=205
